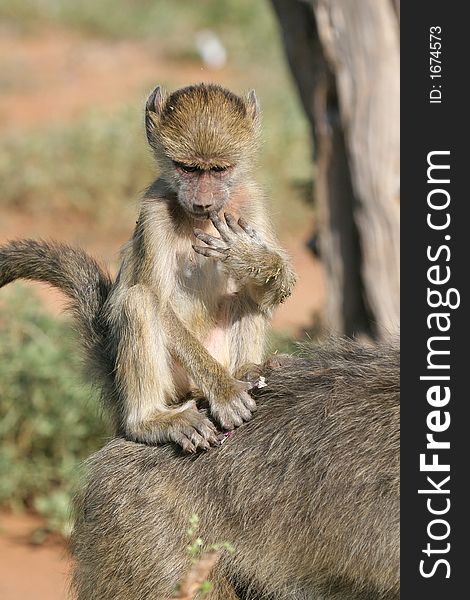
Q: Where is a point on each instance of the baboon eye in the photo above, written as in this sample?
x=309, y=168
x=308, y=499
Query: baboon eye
x=218, y=169
x=187, y=168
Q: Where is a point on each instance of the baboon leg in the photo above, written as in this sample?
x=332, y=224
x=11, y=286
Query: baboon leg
x=144, y=377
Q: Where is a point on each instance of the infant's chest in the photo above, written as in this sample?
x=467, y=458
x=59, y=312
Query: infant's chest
x=194, y=273
x=200, y=282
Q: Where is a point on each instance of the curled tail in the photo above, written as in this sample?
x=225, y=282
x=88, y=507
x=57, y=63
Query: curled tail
x=69, y=269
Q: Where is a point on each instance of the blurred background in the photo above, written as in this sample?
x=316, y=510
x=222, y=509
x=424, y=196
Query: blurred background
x=74, y=75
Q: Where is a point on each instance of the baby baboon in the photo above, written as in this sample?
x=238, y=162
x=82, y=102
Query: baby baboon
x=307, y=493
x=180, y=316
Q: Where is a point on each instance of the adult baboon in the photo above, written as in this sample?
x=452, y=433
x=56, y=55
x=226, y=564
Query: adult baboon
x=307, y=492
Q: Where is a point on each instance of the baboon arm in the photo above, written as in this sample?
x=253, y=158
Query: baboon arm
x=229, y=401
x=207, y=373
x=271, y=279
x=252, y=257
x=142, y=369
x=247, y=328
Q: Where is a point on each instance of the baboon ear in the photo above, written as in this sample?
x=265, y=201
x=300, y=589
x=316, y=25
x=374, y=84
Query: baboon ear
x=252, y=106
x=155, y=101
x=153, y=110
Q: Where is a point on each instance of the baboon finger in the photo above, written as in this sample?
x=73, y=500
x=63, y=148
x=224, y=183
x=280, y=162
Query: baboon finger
x=221, y=227
x=204, y=445
x=185, y=443
x=249, y=403
x=230, y=423
x=182, y=435
x=210, y=252
x=197, y=439
x=237, y=410
x=210, y=425
x=213, y=440
x=246, y=228
x=205, y=428
x=249, y=230
x=232, y=223
x=210, y=239
x=230, y=418
x=208, y=435
x=244, y=412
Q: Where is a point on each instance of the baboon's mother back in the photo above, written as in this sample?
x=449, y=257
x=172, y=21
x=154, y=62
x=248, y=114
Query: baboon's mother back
x=307, y=493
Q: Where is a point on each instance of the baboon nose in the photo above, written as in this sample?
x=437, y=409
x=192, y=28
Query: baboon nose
x=202, y=207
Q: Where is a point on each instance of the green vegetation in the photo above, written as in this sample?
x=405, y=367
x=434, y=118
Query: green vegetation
x=103, y=159
x=49, y=420
x=197, y=546
x=105, y=163
x=247, y=27
x=203, y=557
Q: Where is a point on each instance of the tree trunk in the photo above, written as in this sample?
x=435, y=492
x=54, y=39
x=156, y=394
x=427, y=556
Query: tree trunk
x=344, y=58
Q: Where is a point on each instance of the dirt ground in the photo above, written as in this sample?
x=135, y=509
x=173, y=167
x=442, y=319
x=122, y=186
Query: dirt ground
x=27, y=571
x=58, y=66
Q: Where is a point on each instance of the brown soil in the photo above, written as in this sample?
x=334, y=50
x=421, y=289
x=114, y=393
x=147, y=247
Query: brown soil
x=27, y=571
x=53, y=77
x=57, y=75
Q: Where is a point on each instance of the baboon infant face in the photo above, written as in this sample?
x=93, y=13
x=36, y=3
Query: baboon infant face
x=202, y=190
x=204, y=138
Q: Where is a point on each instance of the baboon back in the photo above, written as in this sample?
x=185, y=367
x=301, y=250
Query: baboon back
x=307, y=493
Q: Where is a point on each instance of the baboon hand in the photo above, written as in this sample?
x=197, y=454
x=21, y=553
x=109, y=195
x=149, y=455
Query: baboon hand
x=239, y=407
x=246, y=256
x=239, y=246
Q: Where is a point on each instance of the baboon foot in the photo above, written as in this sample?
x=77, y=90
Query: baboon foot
x=187, y=427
